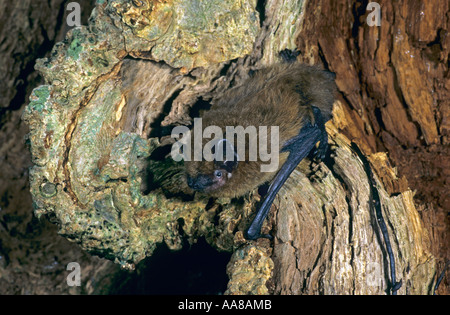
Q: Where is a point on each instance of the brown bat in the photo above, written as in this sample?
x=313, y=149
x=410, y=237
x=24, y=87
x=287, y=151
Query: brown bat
x=295, y=98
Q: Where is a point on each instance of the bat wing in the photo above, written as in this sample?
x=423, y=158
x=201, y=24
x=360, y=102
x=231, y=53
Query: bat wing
x=298, y=147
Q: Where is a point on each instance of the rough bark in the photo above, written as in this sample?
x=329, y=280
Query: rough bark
x=394, y=81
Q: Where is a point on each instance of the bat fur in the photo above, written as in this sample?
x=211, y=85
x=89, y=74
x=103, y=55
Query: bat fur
x=280, y=95
x=295, y=97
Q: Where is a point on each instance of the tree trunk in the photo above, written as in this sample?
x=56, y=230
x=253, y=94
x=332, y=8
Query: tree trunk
x=394, y=93
x=95, y=133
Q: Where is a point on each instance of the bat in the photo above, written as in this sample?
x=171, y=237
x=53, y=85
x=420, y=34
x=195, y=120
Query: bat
x=291, y=102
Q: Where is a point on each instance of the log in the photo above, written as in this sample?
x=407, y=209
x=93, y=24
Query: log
x=99, y=169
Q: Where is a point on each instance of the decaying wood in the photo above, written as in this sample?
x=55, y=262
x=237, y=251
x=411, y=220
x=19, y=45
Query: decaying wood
x=334, y=245
x=394, y=92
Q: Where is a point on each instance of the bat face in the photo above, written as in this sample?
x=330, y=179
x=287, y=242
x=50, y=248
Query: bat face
x=206, y=176
x=219, y=179
x=212, y=176
x=229, y=168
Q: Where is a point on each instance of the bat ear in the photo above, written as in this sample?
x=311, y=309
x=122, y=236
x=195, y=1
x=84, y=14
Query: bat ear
x=229, y=166
x=226, y=156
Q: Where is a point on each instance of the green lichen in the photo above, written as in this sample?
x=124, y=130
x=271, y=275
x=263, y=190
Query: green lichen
x=249, y=269
x=39, y=98
x=190, y=33
x=75, y=49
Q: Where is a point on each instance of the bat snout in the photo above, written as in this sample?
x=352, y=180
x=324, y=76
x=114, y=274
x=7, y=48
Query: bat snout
x=199, y=183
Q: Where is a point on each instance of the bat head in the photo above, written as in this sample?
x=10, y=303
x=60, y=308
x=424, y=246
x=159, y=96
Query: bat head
x=210, y=175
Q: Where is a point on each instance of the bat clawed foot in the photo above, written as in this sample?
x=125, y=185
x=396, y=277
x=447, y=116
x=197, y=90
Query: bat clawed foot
x=289, y=56
x=321, y=151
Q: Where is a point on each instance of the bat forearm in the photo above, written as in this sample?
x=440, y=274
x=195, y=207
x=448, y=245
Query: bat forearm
x=299, y=148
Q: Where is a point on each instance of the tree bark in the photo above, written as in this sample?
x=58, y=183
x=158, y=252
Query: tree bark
x=394, y=93
x=94, y=127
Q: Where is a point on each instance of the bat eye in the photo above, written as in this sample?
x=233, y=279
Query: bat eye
x=218, y=173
